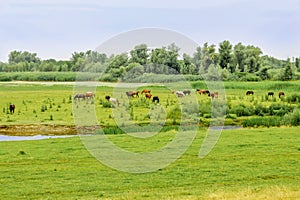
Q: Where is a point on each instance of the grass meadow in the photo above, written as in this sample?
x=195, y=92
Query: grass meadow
x=261, y=163
x=248, y=163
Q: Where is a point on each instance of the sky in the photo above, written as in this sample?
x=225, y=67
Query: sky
x=57, y=28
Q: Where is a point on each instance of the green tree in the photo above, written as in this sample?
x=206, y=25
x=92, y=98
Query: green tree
x=225, y=56
x=186, y=65
x=239, y=56
x=288, y=72
x=77, y=61
x=253, y=58
x=297, y=64
x=197, y=56
x=139, y=54
x=263, y=73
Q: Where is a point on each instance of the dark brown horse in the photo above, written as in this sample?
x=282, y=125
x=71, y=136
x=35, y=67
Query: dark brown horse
x=249, y=92
x=12, y=108
x=155, y=99
x=271, y=94
x=186, y=92
x=79, y=96
x=280, y=94
x=146, y=91
x=132, y=94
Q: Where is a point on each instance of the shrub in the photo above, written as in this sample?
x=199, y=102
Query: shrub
x=293, y=118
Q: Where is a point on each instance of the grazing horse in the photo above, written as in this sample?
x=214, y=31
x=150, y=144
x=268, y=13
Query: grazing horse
x=146, y=91
x=178, y=93
x=213, y=95
x=79, y=96
x=113, y=100
x=249, y=92
x=280, y=94
x=186, y=92
x=155, y=99
x=12, y=108
x=271, y=94
x=202, y=91
x=89, y=95
x=132, y=94
x=148, y=96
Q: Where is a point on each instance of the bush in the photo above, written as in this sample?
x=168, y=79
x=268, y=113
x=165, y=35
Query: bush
x=262, y=121
x=293, y=118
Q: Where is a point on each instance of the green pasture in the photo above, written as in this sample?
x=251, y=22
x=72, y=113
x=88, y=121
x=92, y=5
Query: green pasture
x=53, y=104
x=245, y=164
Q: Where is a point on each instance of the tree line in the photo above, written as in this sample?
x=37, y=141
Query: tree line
x=230, y=62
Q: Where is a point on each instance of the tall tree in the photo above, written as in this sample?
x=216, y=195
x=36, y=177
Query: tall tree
x=225, y=56
x=139, y=54
x=209, y=56
x=240, y=56
x=288, y=72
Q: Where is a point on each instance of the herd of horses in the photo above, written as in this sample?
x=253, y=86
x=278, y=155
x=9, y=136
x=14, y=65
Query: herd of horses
x=148, y=95
x=155, y=99
x=280, y=94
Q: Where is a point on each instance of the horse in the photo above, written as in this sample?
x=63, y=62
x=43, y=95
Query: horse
x=202, y=91
x=270, y=94
x=280, y=94
x=12, y=108
x=148, y=96
x=155, y=98
x=112, y=100
x=146, y=91
x=79, y=96
x=132, y=94
x=213, y=95
x=249, y=92
x=186, y=92
x=178, y=93
x=89, y=95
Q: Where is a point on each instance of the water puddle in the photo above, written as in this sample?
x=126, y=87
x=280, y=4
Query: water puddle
x=217, y=128
x=35, y=137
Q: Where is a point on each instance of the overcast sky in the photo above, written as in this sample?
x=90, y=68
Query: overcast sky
x=57, y=28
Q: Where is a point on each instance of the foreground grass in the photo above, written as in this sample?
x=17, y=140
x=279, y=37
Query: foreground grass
x=245, y=164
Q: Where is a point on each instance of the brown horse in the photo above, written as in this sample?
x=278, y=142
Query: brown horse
x=280, y=94
x=186, y=92
x=12, y=108
x=146, y=91
x=249, y=92
x=213, y=95
x=202, y=91
x=89, y=95
x=132, y=94
x=148, y=96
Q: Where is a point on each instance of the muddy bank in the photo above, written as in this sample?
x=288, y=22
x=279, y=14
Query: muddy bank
x=31, y=130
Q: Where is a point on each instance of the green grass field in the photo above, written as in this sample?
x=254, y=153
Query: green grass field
x=245, y=164
x=52, y=104
x=259, y=163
